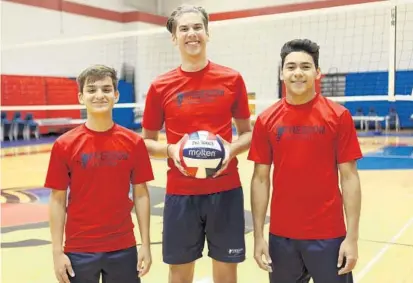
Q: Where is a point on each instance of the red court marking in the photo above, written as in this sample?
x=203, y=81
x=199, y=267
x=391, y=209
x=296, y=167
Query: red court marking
x=15, y=214
x=398, y=144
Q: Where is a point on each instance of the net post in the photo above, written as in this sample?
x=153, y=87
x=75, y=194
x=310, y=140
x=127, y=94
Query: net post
x=280, y=82
x=392, y=50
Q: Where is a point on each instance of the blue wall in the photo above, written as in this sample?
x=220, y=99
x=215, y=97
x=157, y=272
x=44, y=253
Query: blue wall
x=125, y=116
x=376, y=83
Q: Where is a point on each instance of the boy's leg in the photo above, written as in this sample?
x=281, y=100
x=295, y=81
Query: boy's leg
x=183, y=236
x=87, y=267
x=287, y=263
x=320, y=257
x=121, y=266
x=225, y=232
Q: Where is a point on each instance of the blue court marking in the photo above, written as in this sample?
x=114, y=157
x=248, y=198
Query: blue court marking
x=388, y=158
x=400, y=151
x=383, y=134
x=42, y=194
x=42, y=140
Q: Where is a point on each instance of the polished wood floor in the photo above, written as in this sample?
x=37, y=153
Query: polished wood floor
x=386, y=236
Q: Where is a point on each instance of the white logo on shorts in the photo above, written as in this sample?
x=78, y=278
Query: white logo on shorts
x=235, y=251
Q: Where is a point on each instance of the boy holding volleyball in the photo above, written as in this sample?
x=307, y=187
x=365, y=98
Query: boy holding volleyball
x=99, y=160
x=199, y=95
x=308, y=139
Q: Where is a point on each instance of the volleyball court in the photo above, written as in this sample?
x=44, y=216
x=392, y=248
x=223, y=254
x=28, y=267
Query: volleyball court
x=366, y=58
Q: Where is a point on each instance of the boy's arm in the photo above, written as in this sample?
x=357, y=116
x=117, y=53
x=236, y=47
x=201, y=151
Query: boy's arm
x=260, y=194
x=348, y=152
x=243, y=141
x=241, y=114
x=57, y=218
x=57, y=179
x=350, y=185
x=152, y=121
x=162, y=150
x=141, y=174
x=261, y=154
x=155, y=148
x=142, y=209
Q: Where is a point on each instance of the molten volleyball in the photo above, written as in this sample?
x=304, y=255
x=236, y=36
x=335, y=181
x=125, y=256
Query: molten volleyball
x=201, y=154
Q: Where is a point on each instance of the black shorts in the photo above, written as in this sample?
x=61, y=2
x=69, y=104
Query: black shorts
x=296, y=261
x=189, y=220
x=113, y=267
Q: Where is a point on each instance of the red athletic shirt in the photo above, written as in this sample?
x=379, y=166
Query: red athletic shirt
x=98, y=168
x=185, y=102
x=305, y=143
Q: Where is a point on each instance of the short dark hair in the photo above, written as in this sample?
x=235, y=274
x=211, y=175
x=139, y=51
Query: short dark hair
x=95, y=73
x=172, y=20
x=300, y=45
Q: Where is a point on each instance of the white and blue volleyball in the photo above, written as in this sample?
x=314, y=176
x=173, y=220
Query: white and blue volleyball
x=201, y=154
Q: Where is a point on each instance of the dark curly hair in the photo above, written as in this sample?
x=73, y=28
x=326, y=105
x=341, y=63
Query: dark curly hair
x=301, y=45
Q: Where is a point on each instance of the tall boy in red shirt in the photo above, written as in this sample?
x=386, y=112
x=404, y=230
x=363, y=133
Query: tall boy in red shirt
x=199, y=95
x=98, y=161
x=308, y=139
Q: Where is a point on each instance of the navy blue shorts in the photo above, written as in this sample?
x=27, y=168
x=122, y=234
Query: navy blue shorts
x=296, y=261
x=114, y=267
x=189, y=220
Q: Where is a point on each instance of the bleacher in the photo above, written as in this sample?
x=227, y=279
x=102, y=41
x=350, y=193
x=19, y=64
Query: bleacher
x=35, y=93
x=370, y=114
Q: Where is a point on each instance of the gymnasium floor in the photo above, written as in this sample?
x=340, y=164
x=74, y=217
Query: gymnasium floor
x=386, y=235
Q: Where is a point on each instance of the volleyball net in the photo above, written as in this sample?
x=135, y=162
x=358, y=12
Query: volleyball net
x=366, y=58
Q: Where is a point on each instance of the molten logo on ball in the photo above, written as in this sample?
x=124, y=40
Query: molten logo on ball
x=202, y=154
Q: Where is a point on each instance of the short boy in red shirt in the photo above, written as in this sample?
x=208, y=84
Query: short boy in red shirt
x=308, y=139
x=98, y=162
x=199, y=95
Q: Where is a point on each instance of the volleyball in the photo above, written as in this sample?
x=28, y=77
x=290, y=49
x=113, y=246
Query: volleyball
x=201, y=154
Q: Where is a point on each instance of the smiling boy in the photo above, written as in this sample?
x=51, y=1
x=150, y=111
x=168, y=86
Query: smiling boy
x=99, y=161
x=199, y=95
x=309, y=139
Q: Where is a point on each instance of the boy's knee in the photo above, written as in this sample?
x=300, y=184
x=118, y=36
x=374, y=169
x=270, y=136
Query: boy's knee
x=181, y=273
x=224, y=272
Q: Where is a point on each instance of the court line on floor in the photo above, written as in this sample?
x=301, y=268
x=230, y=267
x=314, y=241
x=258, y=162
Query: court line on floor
x=359, y=276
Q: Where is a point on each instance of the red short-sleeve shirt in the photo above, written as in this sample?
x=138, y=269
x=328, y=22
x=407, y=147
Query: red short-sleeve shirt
x=185, y=102
x=98, y=168
x=305, y=143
